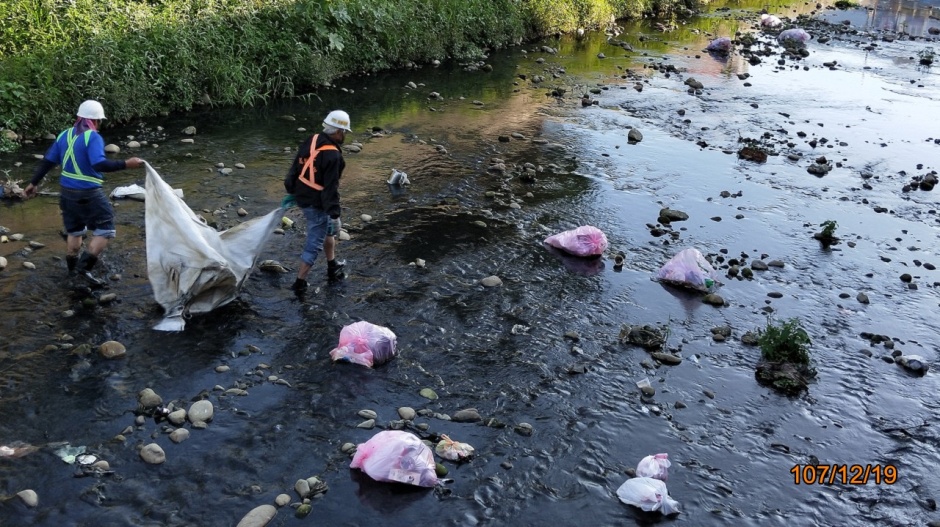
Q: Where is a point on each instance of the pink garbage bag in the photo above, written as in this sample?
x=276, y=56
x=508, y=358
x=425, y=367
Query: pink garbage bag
x=648, y=494
x=366, y=344
x=689, y=269
x=396, y=457
x=655, y=467
x=720, y=45
x=769, y=21
x=795, y=36
x=583, y=241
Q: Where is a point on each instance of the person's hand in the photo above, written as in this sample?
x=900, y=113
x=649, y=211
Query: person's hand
x=134, y=162
x=335, y=225
x=31, y=190
x=288, y=202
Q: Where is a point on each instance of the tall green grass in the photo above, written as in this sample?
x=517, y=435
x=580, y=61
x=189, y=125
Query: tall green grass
x=141, y=57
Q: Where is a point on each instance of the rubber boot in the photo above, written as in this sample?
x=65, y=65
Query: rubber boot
x=85, y=264
x=334, y=270
x=300, y=285
x=71, y=262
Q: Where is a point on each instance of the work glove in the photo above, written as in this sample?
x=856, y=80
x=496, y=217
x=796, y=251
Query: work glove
x=334, y=227
x=288, y=202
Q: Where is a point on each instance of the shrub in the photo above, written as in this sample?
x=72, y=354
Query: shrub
x=786, y=342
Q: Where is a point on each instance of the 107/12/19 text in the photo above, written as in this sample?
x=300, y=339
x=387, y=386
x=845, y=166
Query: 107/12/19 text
x=831, y=474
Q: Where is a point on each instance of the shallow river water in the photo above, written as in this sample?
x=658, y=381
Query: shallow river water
x=543, y=348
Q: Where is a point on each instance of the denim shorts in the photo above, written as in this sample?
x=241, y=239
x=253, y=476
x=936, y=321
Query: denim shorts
x=87, y=209
x=318, y=222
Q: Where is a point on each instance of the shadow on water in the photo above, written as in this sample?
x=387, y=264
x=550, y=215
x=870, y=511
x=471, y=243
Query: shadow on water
x=543, y=347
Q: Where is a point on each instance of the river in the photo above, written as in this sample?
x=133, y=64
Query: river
x=543, y=348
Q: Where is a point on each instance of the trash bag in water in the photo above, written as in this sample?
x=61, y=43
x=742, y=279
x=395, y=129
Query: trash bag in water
x=656, y=467
x=583, y=241
x=689, y=269
x=793, y=37
x=769, y=21
x=452, y=450
x=396, y=457
x=721, y=45
x=192, y=267
x=366, y=344
x=135, y=192
x=648, y=494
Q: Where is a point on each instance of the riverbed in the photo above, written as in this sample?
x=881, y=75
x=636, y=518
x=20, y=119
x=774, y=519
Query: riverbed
x=544, y=347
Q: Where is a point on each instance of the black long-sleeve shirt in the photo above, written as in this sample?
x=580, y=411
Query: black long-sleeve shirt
x=329, y=165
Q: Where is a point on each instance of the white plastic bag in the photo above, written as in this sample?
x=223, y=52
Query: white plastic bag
x=452, y=450
x=398, y=178
x=648, y=494
x=193, y=268
x=366, y=344
x=689, y=269
x=655, y=467
x=586, y=240
x=396, y=457
x=720, y=45
x=136, y=192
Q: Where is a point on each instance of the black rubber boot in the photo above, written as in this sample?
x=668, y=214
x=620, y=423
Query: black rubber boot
x=334, y=270
x=300, y=285
x=85, y=264
x=71, y=262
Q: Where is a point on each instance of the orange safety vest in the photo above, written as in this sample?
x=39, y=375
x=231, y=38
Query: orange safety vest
x=308, y=172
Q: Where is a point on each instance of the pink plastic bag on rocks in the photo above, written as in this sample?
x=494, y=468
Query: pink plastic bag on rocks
x=689, y=269
x=648, y=494
x=795, y=36
x=366, y=344
x=655, y=467
x=583, y=241
x=396, y=457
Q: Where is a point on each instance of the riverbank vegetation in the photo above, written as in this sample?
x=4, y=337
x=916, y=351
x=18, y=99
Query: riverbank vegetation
x=143, y=57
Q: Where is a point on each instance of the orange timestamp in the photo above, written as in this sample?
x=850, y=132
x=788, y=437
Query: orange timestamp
x=830, y=474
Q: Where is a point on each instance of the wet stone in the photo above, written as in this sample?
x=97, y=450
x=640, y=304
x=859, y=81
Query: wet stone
x=467, y=415
x=862, y=298
x=407, y=413
x=258, y=517
x=200, y=412
x=179, y=435
x=147, y=398
x=112, y=349
x=367, y=414
x=28, y=497
x=368, y=424
x=282, y=500
x=524, y=429
x=152, y=454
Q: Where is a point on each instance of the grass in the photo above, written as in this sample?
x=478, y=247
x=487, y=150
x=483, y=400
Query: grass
x=787, y=342
x=143, y=57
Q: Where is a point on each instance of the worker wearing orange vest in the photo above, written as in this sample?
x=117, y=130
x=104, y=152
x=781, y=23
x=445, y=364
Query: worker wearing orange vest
x=80, y=152
x=313, y=181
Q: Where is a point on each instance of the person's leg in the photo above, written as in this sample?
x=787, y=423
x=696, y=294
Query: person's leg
x=317, y=221
x=74, y=228
x=100, y=216
x=329, y=248
x=334, y=268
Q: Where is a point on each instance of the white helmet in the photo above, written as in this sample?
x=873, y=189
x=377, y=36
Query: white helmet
x=338, y=119
x=91, y=110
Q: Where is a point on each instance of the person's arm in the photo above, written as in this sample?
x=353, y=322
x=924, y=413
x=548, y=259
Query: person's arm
x=98, y=160
x=43, y=168
x=329, y=196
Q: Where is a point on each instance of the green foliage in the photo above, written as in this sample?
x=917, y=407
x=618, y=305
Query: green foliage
x=845, y=4
x=784, y=343
x=146, y=56
x=829, y=228
x=926, y=56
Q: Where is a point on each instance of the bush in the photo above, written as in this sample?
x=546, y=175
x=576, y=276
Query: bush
x=787, y=342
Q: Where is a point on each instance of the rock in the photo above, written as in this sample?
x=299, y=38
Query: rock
x=29, y=265
x=913, y=363
x=775, y=263
x=906, y=278
x=112, y=149
x=133, y=144
x=667, y=358
x=177, y=417
x=759, y=265
x=468, y=415
x=258, y=517
x=239, y=165
x=348, y=448
x=147, y=398
x=3, y=262
x=179, y=435
x=354, y=149
x=668, y=215
x=189, y=130
x=29, y=497
x=524, y=429
x=491, y=281
x=634, y=136
x=222, y=368
x=367, y=414
x=694, y=84
x=225, y=171
x=862, y=298
x=428, y=393
x=107, y=298
x=303, y=510
x=368, y=424
x=713, y=299
x=200, y=412
x=440, y=470
x=152, y=454
x=407, y=413
x=365, y=217
x=241, y=212
x=187, y=141
x=302, y=487
x=648, y=391
x=112, y=349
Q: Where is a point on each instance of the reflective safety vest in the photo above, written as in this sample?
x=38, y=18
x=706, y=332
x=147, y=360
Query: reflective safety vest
x=70, y=167
x=308, y=172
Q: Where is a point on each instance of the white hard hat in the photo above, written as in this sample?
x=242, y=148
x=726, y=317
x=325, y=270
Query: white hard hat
x=338, y=119
x=91, y=110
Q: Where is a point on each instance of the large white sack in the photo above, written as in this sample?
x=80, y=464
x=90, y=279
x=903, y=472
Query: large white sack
x=192, y=267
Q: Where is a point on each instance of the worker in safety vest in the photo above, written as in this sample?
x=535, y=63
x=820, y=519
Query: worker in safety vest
x=313, y=180
x=80, y=152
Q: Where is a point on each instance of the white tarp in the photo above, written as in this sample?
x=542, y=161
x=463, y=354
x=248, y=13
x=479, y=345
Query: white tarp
x=136, y=192
x=192, y=267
